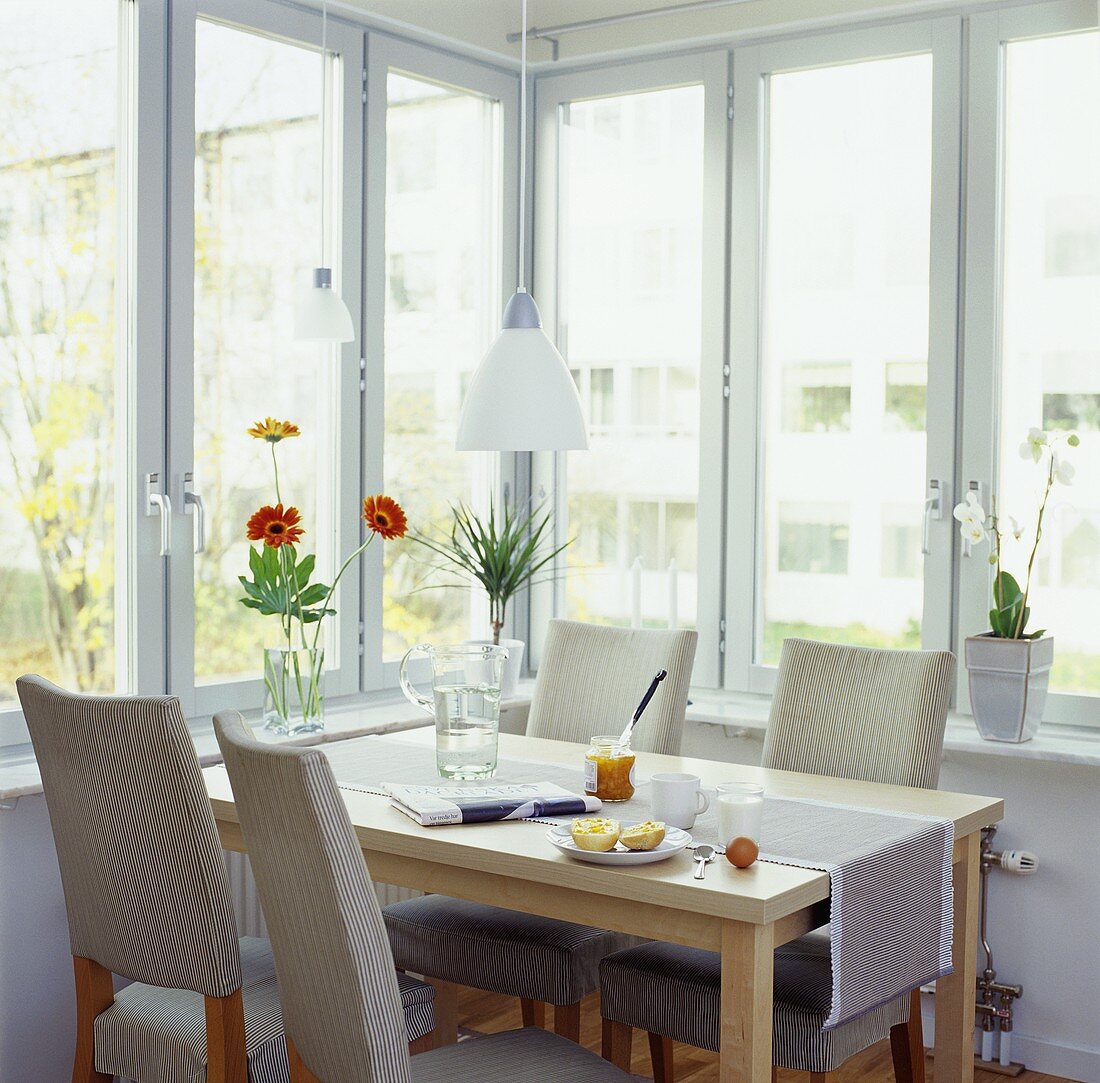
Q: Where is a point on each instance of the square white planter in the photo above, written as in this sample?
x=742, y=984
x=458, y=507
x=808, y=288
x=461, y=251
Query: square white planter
x=1008, y=685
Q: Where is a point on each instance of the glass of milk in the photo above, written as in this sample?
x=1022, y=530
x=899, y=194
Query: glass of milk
x=740, y=808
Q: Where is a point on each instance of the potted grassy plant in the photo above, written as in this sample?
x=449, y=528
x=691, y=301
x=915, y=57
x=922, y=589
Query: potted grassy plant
x=503, y=551
x=1009, y=666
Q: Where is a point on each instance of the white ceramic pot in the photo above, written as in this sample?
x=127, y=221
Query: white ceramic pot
x=513, y=664
x=1008, y=685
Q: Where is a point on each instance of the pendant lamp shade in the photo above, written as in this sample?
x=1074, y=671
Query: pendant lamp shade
x=522, y=397
x=321, y=314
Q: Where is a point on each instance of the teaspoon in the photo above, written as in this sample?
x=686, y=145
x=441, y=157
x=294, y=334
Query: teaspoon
x=704, y=855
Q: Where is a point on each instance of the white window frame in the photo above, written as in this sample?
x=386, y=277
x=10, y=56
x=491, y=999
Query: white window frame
x=710, y=70
x=385, y=54
x=752, y=67
x=344, y=39
x=141, y=304
x=990, y=32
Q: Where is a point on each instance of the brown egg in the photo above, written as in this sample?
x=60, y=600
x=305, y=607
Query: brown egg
x=742, y=852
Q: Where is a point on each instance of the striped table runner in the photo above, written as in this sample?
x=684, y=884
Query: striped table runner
x=891, y=902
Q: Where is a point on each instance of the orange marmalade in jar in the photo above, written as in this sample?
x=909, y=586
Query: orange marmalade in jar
x=609, y=770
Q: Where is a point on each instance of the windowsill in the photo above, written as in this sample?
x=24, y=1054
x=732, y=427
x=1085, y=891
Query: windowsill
x=743, y=716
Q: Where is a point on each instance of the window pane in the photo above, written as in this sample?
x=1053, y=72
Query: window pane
x=63, y=346
x=443, y=309
x=630, y=235
x=845, y=349
x=1050, y=332
x=257, y=236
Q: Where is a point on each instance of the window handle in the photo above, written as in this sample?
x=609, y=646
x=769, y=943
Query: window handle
x=159, y=504
x=934, y=504
x=193, y=503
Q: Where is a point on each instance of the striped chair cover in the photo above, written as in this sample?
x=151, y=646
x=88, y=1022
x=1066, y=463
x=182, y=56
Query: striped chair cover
x=590, y=681
x=340, y=995
x=846, y=712
x=145, y=889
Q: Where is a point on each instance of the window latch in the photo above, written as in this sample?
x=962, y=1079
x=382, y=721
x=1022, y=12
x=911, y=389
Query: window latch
x=935, y=507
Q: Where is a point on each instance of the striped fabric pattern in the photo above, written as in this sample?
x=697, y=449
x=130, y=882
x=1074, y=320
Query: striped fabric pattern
x=516, y=1056
x=591, y=678
x=339, y=989
x=154, y=1035
x=145, y=889
x=499, y=950
x=675, y=991
x=860, y=712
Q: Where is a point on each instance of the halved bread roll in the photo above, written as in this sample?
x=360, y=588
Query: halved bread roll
x=646, y=836
x=595, y=833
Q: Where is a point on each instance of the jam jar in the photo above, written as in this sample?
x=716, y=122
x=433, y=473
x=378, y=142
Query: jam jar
x=609, y=770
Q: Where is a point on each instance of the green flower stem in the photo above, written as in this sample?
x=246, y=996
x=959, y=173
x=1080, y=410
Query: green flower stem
x=1035, y=547
x=275, y=463
x=332, y=590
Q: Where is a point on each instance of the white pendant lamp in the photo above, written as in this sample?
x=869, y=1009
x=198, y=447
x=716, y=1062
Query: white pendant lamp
x=321, y=315
x=522, y=397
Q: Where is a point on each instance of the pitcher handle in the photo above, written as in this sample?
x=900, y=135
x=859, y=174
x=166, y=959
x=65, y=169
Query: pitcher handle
x=411, y=694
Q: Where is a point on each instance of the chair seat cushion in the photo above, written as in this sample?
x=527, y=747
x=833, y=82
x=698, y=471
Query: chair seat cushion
x=153, y=1035
x=500, y=950
x=671, y=990
x=530, y=1055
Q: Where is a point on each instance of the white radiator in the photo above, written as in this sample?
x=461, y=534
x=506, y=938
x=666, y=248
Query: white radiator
x=246, y=900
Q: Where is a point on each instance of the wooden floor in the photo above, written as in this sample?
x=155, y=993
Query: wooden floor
x=488, y=1013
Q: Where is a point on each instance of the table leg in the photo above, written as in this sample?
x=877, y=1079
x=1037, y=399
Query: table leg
x=955, y=994
x=745, y=1038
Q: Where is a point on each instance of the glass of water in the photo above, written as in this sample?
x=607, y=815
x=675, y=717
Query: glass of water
x=465, y=703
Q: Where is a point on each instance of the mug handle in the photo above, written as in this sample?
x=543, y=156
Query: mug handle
x=702, y=801
x=411, y=694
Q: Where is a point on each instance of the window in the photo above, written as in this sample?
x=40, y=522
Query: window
x=1050, y=364
x=64, y=350
x=256, y=122
x=633, y=218
x=848, y=151
x=442, y=227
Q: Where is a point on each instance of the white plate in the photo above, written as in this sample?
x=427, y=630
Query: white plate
x=674, y=841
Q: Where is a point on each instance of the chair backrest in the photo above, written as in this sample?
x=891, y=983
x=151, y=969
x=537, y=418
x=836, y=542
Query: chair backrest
x=860, y=712
x=145, y=889
x=592, y=677
x=337, y=983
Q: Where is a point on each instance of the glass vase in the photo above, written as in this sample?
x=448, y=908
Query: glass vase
x=294, y=690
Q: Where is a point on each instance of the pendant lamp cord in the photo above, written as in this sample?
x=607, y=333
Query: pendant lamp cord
x=522, y=144
x=324, y=120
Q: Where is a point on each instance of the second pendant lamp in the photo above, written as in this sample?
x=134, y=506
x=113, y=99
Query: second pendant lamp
x=321, y=315
x=522, y=396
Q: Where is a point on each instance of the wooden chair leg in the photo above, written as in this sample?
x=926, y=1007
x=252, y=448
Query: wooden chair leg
x=567, y=1021
x=775, y=1074
x=95, y=993
x=533, y=1012
x=424, y=1044
x=226, y=1060
x=299, y=1073
x=660, y=1056
x=907, y=1044
x=819, y=1077
x=445, y=1007
x=618, y=1043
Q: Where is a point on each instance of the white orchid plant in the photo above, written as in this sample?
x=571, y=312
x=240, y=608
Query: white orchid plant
x=1010, y=613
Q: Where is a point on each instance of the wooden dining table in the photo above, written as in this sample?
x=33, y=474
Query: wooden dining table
x=742, y=914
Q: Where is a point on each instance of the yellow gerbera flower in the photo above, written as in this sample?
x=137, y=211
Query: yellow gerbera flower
x=273, y=431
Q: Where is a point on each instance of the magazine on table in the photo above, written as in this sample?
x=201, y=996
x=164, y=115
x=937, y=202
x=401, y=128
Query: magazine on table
x=434, y=806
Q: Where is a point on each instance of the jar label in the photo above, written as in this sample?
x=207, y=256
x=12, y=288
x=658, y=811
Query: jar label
x=590, y=773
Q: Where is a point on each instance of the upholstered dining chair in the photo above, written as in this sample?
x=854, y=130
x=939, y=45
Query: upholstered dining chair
x=846, y=712
x=147, y=898
x=589, y=682
x=340, y=998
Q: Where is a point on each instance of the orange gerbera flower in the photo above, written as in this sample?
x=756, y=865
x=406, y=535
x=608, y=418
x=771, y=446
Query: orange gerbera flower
x=275, y=527
x=273, y=431
x=385, y=516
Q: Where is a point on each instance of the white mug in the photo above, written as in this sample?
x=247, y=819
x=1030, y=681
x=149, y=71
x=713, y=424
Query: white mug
x=677, y=799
